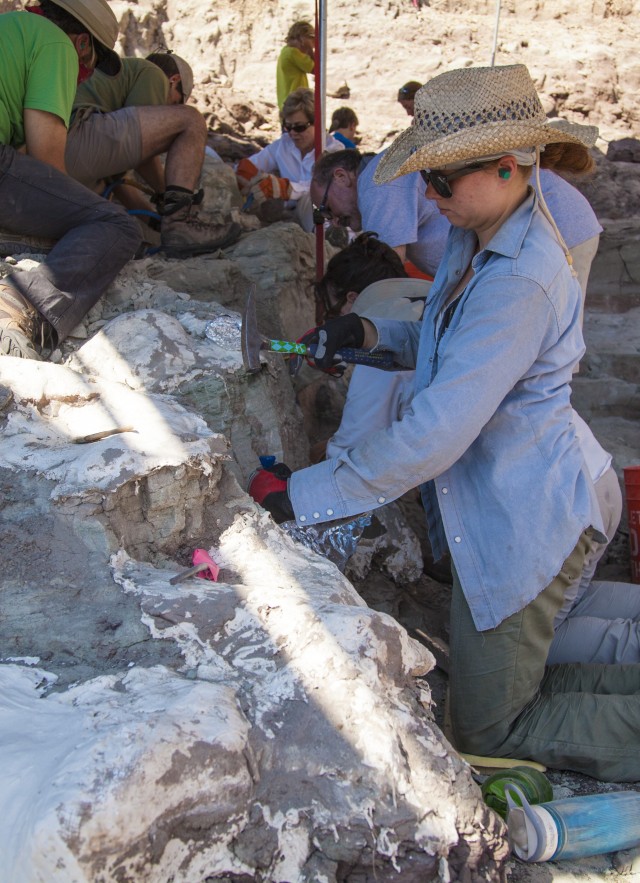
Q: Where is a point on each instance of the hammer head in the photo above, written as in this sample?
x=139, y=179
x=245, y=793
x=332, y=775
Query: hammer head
x=250, y=337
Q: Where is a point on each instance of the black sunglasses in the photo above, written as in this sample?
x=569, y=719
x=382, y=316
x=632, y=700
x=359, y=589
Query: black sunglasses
x=296, y=127
x=322, y=212
x=440, y=181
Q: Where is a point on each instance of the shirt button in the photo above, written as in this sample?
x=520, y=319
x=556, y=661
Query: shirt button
x=457, y=539
x=445, y=490
x=381, y=499
x=303, y=518
x=329, y=511
x=316, y=515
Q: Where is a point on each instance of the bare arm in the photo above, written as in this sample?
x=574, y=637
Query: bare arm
x=45, y=137
x=401, y=251
x=370, y=334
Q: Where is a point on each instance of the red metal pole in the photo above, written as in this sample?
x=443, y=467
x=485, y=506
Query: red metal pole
x=319, y=134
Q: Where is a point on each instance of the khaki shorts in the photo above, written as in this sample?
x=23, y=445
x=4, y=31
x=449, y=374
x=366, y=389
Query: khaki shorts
x=103, y=145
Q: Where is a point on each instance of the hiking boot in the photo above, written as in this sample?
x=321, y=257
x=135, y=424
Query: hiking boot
x=19, y=324
x=184, y=235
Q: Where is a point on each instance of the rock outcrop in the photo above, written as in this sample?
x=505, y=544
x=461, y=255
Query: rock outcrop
x=269, y=726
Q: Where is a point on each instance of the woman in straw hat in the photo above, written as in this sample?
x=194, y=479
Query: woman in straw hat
x=489, y=436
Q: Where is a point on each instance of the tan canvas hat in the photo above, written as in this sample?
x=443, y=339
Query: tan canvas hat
x=97, y=16
x=401, y=299
x=186, y=75
x=472, y=112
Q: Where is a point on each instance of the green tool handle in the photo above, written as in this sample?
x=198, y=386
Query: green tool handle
x=383, y=360
x=287, y=347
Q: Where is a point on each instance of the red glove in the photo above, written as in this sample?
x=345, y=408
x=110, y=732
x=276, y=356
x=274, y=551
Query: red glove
x=268, y=487
x=270, y=187
x=245, y=173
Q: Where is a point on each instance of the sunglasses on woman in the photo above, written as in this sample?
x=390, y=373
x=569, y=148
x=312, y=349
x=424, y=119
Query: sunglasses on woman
x=296, y=127
x=440, y=181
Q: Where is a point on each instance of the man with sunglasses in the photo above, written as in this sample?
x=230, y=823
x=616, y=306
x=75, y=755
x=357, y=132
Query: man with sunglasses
x=344, y=193
x=275, y=181
x=127, y=119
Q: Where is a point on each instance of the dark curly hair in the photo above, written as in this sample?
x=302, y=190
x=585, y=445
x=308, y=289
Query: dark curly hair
x=107, y=60
x=362, y=262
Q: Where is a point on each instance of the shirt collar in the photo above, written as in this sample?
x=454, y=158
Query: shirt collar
x=509, y=238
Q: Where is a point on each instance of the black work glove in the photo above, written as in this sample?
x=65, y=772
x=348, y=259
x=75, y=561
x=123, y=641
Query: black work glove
x=344, y=331
x=268, y=487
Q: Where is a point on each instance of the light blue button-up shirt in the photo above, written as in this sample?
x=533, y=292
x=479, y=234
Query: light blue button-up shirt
x=489, y=435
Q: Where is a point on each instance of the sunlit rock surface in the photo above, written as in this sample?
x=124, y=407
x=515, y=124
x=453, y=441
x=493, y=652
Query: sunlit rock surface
x=269, y=726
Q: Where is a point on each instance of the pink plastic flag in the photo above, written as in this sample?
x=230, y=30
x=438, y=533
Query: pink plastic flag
x=201, y=556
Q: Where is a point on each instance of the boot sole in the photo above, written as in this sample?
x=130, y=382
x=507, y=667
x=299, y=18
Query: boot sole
x=190, y=251
x=12, y=244
x=17, y=345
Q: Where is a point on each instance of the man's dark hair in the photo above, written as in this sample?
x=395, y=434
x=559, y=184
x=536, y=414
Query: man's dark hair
x=63, y=19
x=349, y=160
x=107, y=60
x=365, y=261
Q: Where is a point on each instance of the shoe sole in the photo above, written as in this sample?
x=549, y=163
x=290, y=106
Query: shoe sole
x=17, y=345
x=190, y=251
x=28, y=245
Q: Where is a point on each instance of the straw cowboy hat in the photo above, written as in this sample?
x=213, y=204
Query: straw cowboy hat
x=475, y=112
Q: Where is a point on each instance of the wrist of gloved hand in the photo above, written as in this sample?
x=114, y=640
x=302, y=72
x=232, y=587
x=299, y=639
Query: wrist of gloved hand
x=344, y=331
x=246, y=171
x=270, y=187
x=268, y=487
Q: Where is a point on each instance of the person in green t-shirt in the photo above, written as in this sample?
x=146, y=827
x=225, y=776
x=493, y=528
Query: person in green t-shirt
x=94, y=149
x=295, y=61
x=128, y=120
x=42, y=53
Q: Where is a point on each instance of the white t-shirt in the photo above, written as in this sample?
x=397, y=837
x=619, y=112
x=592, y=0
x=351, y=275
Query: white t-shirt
x=283, y=158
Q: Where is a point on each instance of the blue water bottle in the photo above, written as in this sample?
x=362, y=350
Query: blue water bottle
x=593, y=824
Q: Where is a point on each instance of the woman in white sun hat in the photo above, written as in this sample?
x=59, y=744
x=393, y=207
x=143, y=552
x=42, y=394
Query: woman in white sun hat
x=489, y=435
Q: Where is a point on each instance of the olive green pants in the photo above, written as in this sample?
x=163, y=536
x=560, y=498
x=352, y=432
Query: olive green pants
x=504, y=701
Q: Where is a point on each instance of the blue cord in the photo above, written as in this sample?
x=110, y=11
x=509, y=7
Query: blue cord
x=144, y=211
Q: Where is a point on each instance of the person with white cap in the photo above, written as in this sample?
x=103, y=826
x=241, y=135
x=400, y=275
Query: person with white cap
x=489, y=434
x=42, y=53
x=127, y=120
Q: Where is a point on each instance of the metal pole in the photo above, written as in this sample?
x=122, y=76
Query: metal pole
x=495, y=34
x=321, y=75
x=320, y=103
